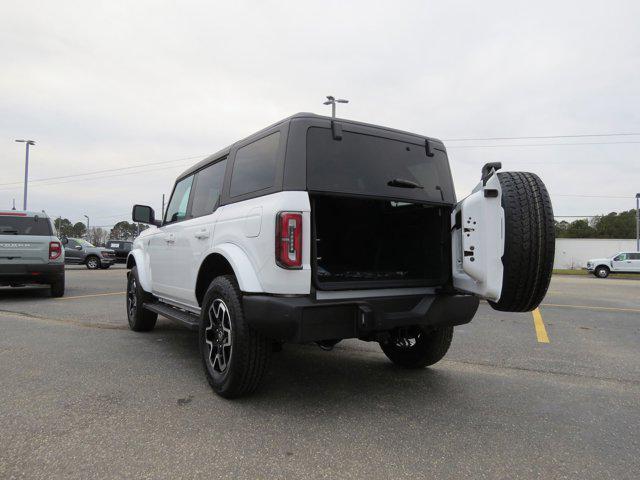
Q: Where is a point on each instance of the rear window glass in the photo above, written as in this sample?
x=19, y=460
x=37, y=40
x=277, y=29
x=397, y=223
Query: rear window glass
x=255, y=166
x=376, y=166
x=10, y=225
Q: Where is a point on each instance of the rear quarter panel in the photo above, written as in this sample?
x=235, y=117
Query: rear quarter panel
x=250, y=225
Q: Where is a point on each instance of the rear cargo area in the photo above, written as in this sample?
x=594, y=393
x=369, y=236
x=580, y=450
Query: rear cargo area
x=374, y=243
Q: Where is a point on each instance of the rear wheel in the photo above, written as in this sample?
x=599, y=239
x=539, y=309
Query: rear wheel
x=412, y=347
x=140, y=319
x=602, y=272
x=57, y=287
x=234, y=356
x=92, y=262
x=529, y=244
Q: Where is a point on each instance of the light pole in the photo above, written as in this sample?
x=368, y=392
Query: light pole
x=87, y=226
x=26, y=170
x=637, y=222
x=331, y=100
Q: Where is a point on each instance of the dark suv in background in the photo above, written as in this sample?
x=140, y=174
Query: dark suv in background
x=78, y=252
x=121, y=249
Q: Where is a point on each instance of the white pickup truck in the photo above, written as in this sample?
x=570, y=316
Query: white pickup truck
x=623, y=262
x=318, y=229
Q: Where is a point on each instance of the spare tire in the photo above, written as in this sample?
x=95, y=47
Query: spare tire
x=529, y=242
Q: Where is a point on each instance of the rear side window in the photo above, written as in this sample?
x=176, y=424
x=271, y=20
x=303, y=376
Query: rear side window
x=254, y=168
x=177, y=209
x=207, y=189
x=13, y=225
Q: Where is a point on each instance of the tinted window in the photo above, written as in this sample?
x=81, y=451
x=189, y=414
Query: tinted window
x=366, y=164
x=207, y=189
x=633, y=256
x=10, y=225
x=255, y=166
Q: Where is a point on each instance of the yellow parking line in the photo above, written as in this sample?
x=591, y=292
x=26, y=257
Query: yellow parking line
x=92, y=295
x=590, y=307
x=541, y=332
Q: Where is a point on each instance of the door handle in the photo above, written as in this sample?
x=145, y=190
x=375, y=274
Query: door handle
x=202, y=235
x=169, y=238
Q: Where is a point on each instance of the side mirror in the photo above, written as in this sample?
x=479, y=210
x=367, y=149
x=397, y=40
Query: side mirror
x=64, y=240
x=144, y=214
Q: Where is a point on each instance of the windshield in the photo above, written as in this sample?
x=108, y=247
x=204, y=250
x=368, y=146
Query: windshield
x=376, y=166
x=84, y=243
x=18, y=225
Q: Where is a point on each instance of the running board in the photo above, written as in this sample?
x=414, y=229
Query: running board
x=191, y=320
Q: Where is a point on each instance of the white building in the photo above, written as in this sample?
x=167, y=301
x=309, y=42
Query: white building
x=573, y=253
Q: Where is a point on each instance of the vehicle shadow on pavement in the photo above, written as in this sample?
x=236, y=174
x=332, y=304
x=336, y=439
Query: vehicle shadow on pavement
x=24, y=293
x=302, y=376
x=343, y=376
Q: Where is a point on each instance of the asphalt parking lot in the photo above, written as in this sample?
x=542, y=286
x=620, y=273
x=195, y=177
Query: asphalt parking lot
x=84, y=397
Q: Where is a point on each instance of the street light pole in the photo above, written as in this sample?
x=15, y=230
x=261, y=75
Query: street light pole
x=85, y=216
x=637, y=222
x=26, y=169
x=331, y=100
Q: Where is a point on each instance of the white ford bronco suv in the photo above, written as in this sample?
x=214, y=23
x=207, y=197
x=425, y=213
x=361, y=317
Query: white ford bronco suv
x=318, y=229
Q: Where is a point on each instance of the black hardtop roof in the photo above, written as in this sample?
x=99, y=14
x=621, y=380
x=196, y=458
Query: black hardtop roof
x=225, y=151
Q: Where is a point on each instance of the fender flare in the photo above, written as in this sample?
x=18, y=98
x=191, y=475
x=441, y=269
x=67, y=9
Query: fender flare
x=142, y=262
x=241, y=265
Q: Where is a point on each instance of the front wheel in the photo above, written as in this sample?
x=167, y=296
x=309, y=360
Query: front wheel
x=602, y=272
x=93, y=262
x=234, y=356
x=140, y=319
x=412, y=347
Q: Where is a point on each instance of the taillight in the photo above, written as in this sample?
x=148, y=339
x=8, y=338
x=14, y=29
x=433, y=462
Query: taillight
x=55, y=250
x=289, y=240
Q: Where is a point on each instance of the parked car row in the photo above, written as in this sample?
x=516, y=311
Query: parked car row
x=32, y=254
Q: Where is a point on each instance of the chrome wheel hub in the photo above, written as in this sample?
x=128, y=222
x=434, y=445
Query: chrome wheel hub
x=218, y=336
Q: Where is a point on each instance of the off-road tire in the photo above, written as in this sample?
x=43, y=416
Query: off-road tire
x=250, y=351
x=529, y=245
x=602, y=272
x=92, y=262
x=430, y=348
x=57, y=287
x=140, y=319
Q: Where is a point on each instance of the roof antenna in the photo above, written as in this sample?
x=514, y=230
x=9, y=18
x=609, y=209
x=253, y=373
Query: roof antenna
x=331, y=100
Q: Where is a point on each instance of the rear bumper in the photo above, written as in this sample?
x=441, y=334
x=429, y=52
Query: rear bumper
x=31, y=273
x=304, y=319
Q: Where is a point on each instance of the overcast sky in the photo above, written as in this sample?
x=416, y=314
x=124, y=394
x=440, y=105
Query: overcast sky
x=109, y=85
